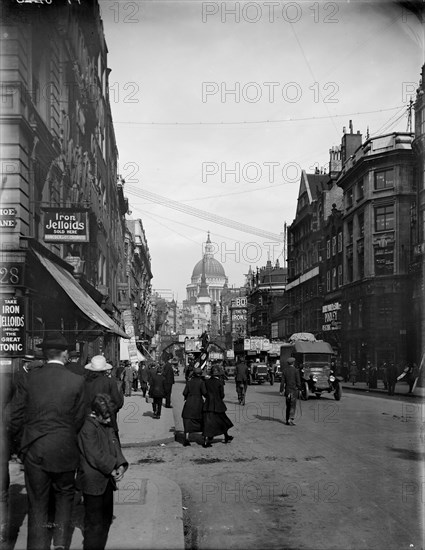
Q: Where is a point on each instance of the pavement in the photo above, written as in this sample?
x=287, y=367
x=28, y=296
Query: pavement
x=401, y=389
x=148, y=511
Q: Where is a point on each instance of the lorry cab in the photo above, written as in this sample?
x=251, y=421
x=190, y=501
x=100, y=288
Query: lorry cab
x=313, y=358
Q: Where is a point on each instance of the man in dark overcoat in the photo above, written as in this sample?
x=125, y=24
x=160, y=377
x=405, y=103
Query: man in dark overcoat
x=292, y=383
x=241, y=379
x=49, y=406
x=392, y=373
x=168, y=374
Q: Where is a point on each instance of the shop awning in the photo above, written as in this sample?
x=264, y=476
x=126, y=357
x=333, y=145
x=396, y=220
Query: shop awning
x=124, y=354
x=79, y=296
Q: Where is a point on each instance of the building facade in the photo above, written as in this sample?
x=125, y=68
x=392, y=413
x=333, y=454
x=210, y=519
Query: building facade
x=379, y=194
x=417, y=224
x=63, y=211
x=265, y=295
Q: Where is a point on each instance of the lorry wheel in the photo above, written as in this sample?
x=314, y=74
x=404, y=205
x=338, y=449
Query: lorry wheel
x=338, y=393
x=305, y=392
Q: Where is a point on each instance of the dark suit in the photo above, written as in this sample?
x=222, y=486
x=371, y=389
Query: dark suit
x=168, y=374
x=157, y=391
x=292, y=382
x=241, y=379
x=49, y=405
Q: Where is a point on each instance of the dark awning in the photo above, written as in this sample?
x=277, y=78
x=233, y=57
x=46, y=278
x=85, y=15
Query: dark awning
x=79, y=296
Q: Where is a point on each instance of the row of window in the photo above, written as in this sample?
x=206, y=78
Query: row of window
x=334, y=241
x=383, y=179
x=334, y=278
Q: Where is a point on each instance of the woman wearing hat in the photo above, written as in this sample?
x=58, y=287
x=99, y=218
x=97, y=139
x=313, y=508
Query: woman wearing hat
x=97, y=381
x=216, y=422
x=194, y=393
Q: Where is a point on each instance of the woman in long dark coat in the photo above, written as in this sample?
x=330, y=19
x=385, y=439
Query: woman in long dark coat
x=216, y=422
x=194, y=393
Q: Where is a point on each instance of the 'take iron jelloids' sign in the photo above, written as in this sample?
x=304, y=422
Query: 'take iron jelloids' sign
x=12, y=326
x=66, y=225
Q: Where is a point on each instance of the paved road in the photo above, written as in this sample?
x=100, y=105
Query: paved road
x=347, y=476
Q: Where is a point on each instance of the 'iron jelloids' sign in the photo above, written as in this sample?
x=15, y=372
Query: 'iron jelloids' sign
x=12, y=327
x=66, y=225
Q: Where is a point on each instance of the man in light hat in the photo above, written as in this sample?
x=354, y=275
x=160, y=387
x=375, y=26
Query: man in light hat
x=96, y=380
x=49, y=406
x=291, y=381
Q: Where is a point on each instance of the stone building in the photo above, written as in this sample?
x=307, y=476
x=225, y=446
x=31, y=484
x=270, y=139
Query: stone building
x=63, y=207
x=416, y=334
x=379, y=194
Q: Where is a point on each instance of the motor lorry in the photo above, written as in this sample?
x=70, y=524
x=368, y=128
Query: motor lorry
x=313, y=359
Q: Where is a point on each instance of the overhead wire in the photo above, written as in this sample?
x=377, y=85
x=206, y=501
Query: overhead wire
x=240, y=123
x=158, y=199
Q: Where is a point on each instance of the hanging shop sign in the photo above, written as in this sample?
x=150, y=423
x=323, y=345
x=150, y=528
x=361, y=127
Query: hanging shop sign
x=332, y=313
x=66, y=225
x=12, y=326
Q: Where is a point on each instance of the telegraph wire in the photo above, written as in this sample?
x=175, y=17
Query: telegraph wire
x=164, y=201
x=244, y=122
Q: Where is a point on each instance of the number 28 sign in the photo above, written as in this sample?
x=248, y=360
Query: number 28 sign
x=11, y=274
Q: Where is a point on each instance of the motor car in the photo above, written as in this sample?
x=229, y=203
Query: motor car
x=259, y=373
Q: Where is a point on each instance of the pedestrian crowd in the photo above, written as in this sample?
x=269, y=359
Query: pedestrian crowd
x=388, y=372
x=60, y=418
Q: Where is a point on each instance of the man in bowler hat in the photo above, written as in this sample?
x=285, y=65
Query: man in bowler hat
x=292, y=383
x=49, y=408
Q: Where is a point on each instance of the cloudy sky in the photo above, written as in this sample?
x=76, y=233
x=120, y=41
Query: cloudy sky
x=218, y=106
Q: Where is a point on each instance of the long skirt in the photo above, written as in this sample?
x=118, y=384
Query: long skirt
x=192, y=425
x=216, y=424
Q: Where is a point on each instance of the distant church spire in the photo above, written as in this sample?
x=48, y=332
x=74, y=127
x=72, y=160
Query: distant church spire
x=209, y=248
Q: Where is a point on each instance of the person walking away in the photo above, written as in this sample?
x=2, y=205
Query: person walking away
x=102, y=465
x=216, y=422
x=292, y=384
x=392, y=373
x=143, y=377
x=135, y=379
x=97, y=380
x=49, y=406
x=194, y=393
x=168, y=373
x=241, y=379
x=157, y=391
x=128, y=379
x=354, y=371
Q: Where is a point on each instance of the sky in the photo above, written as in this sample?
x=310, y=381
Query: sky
x=219, y=106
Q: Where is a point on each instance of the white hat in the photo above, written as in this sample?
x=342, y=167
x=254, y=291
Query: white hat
x=98, y=364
